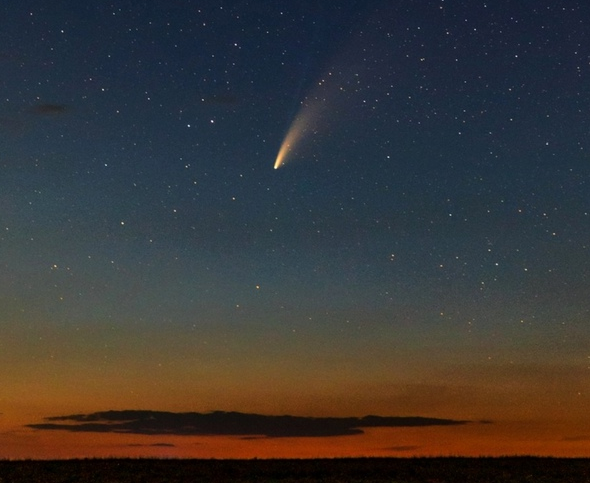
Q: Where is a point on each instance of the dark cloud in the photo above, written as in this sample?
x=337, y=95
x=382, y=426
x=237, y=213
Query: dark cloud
x=226, y=423
x=48, y=109
x=18, y=122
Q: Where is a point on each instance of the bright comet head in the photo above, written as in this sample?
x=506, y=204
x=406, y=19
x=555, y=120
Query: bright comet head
x=282, y=153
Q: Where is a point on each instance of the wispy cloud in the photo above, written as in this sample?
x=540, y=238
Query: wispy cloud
x=155, y=445
x=48, y=109
x=226, y=423
x=577, y=438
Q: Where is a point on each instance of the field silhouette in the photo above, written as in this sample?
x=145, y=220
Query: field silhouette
x=350, y=470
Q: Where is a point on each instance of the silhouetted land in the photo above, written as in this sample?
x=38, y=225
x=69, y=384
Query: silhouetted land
x=353, y=470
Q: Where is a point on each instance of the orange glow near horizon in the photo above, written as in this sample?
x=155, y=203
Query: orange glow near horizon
x=475, y=439
x=528, y=414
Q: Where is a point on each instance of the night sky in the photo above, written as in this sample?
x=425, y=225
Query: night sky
x=422, y=249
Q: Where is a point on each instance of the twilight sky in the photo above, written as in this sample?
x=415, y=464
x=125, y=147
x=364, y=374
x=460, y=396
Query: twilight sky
x=423, y=248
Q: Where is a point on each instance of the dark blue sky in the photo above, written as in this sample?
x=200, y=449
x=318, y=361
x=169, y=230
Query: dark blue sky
x=436, y=214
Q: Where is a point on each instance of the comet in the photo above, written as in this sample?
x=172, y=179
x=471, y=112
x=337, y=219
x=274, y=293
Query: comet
x=306, y=121
x=292, y=138
x=333, y=94
x=316, y=113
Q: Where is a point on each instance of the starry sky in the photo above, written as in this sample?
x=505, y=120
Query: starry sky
x=423, y=249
